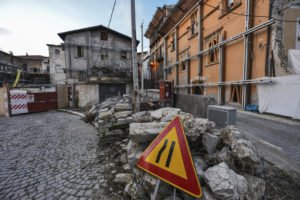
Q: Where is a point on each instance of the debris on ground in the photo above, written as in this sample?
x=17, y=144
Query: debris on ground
x=111, y=117
x=220, y=156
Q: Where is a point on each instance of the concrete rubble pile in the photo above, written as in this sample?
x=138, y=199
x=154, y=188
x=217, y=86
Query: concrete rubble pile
x=227, y=165
x=111, y=117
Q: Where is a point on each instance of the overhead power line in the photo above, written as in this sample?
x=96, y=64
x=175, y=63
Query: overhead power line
x=109, y=22
x=245, y=15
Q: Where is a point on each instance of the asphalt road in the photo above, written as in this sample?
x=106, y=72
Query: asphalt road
x=277, y=138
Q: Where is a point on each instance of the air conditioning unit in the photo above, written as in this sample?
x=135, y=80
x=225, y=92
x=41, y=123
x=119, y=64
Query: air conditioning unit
x=222, y=115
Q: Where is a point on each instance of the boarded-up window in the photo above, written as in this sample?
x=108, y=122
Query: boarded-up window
x=173, y=42
x=236, y=94
x=213, y=54
x=104, y=35
x=80, y=51
x=123, y=55
x=104, y=54
x=193, y=24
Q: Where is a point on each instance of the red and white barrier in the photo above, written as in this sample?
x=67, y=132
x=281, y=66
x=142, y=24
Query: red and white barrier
x=18, y=102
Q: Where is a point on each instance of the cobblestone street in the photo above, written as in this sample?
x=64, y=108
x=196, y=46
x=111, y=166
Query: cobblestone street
x=50, y=155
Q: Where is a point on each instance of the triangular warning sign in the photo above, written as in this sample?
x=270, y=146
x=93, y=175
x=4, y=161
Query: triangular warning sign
x=168, y=158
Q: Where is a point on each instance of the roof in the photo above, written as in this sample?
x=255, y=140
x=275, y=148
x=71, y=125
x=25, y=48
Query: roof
x=54, y=45
x=161, y=12
x=91, y=28
x=31, y=57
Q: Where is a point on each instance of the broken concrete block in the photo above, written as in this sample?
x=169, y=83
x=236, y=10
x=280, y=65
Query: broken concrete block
x=101, y=122
x=225, y=183
x=123, y=159
x=210, y=142
x=245, y=151
x=256, y=188
x=207, y=194
x=194, y=128
x=142, y=117
x=122, y=121
x=200, y=165
x=122, y=114
x=167, y=110
x=145, y=132
x=123, y=178
x=134, y=151
x=230, y=134
x=122, y=107
x=157, y=114
x=115, y=132
x=105, y=114
x=169, y=117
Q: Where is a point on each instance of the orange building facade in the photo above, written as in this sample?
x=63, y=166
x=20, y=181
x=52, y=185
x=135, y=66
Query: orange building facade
x=217, y=48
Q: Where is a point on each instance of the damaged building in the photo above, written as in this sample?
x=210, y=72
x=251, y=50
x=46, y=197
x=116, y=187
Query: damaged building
x=97, y=63
x=224, y=49
x=34, y=69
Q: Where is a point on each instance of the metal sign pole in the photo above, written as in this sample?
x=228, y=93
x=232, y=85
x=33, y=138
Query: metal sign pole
x=174, y=196
x=155, y=190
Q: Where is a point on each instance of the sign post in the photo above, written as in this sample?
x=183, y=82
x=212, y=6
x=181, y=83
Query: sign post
x=169, y=158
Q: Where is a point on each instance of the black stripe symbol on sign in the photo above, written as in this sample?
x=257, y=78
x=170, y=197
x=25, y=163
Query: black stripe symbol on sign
x=169, y=155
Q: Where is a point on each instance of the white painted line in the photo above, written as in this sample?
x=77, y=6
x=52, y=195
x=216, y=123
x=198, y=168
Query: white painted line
x=271, y=145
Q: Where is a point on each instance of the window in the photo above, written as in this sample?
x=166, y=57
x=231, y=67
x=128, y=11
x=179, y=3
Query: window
x=183, y=66
x=104, y=54
x=173, y=42
x=57, y=68
x=213, y=57
x=80, y=51
x=104, y=35
x=229, y=5
x=57, y=51
x=213, y=54
x=123, y=55
x=48, y=69
x=193, y=24
x=25, y=68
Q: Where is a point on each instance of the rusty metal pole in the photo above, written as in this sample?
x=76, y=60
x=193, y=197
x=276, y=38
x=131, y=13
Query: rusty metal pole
x=142, y=58
x=136, y=98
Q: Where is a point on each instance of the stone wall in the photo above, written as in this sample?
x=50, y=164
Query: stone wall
x=87, y=94
x=195, y=104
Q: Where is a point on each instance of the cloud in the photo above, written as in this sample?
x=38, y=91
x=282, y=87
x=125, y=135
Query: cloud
x=4, y=31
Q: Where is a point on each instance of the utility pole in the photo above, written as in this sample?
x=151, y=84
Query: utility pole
x=136, y=96
x=142, y=58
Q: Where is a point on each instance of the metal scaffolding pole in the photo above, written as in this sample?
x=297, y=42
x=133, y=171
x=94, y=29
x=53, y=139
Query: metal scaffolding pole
x=142, y=58
x=136, y=98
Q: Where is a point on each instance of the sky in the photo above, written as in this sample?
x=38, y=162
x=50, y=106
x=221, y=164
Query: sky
x=26, y=26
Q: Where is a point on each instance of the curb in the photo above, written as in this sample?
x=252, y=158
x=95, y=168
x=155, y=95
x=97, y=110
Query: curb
x=72, y=112
x=271, y=117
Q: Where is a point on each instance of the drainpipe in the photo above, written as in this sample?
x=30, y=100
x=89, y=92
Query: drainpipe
x=247, y=54
x=268, y=58
x=176, y=57
x=165, y=59
x=221, y=73
x=200, y=39
x=188, y=75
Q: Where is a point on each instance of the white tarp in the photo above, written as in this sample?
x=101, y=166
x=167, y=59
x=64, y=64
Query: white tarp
x=282, y=97
x=294, y=60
